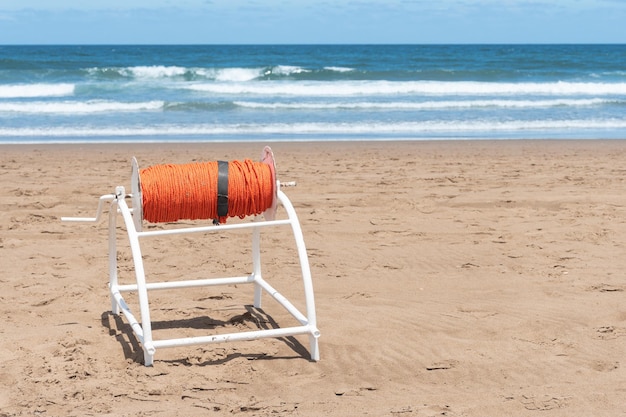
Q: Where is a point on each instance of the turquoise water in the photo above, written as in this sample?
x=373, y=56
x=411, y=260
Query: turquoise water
x=314, y=92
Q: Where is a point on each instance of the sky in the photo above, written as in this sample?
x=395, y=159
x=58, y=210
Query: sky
x=311, y=21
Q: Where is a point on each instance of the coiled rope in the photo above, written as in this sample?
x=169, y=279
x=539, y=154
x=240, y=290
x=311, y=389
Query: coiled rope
x=172, y=192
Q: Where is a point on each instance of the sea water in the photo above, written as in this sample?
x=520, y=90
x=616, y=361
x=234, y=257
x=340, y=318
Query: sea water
x=114, y=93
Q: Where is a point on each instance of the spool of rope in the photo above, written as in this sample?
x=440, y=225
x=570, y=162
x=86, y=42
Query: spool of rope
x=208, y=190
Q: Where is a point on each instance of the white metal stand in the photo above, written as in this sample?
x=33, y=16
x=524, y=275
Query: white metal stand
x=143, y=328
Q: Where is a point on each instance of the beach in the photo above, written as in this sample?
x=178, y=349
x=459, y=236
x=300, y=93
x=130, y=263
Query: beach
x=451, y=278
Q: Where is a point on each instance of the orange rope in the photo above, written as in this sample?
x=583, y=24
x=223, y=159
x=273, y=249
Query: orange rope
x=189, y=191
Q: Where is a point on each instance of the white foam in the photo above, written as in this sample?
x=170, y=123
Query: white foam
x=162, y=71
x=339, y=69
x=235, y=74
x=78, y=107
x=427, y=105
x=36, y=90
x=426, y=88
x=288, y=70
x=406, y=128
x=155, y=71
x=238, y=74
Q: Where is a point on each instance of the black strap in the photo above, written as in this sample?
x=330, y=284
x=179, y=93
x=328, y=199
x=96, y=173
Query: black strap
x=222, y=188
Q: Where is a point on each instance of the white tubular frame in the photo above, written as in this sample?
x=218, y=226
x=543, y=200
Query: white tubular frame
x=143, y=328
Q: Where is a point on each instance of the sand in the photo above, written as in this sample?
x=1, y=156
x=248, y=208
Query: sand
x=476, y=278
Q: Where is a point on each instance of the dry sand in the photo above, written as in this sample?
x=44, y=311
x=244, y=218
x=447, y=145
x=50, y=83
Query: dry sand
x=478, y=278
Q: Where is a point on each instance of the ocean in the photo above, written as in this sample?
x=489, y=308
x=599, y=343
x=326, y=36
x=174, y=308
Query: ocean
x=115, y=93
